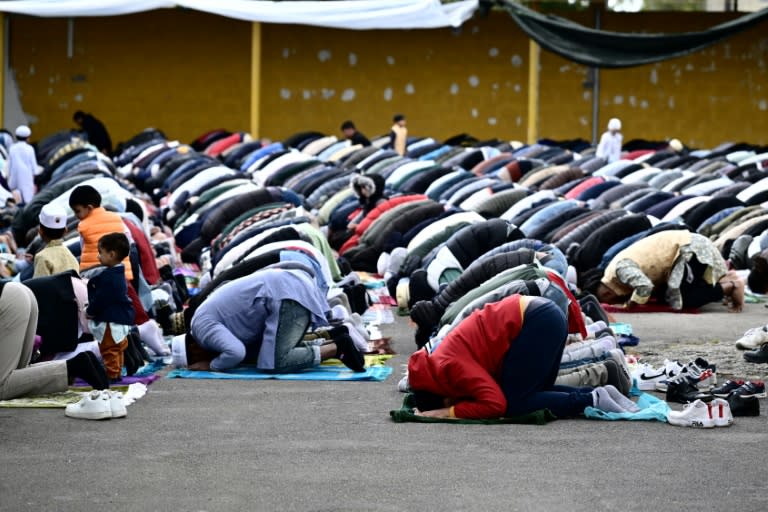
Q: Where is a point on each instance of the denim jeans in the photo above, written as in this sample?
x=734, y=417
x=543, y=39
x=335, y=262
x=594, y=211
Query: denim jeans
x=291, y=352
x=532, y=362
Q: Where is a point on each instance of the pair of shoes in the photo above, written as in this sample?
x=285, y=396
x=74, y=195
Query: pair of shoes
x=682, y=391
x=725, y=390
x=741, y=406
x=753, y=338
x=750, y=389
x=759, y=355
x=698, y=414
x=98, y=405
x=699, y=373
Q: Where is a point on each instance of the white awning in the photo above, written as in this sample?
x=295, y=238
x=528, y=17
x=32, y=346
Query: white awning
x=344, y=14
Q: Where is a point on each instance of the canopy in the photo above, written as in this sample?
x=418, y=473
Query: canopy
x=604, y=49
x=345, y=14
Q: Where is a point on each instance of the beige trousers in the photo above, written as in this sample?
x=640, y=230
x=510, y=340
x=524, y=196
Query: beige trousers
x=18, y=322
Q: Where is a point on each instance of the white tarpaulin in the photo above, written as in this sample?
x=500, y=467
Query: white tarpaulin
x=345, y=14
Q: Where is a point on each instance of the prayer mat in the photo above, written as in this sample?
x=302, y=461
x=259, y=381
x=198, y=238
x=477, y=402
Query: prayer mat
x=328, y=371
x=406, y=414
x=146, y=375
x=131, y=393
x=649, y=308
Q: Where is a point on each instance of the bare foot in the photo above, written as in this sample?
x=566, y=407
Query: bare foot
x=733, y=288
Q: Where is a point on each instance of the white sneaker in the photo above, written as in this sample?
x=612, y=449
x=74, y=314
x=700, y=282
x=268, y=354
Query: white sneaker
x=646, y=377
x=93, y=406
x=753, y=338
x=696, y=414
x=721, y=412
x=116, y=404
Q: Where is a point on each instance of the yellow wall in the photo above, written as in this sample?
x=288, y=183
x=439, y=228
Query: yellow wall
x=187, y=72
x=180, y=71
x=444, y=82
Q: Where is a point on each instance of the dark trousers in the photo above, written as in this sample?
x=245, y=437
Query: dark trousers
x=530, y=366
x=694, y=290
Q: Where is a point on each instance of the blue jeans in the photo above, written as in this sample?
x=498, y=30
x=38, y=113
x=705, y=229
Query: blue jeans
x=531, y=364
x=291, y=353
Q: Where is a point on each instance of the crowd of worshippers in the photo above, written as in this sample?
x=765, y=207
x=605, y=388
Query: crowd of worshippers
x=245, y=251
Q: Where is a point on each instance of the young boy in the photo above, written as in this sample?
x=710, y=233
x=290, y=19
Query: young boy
x=109, y=309
x=55, y=257
x=95, y=222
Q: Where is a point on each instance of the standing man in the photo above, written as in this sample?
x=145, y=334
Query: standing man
x=609, y=147
x=95, y=130
x=22, y=165
x=398, y=135
x=352, y=135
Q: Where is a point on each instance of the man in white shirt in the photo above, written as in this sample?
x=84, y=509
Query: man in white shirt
x=22, y=165
x=609, y=147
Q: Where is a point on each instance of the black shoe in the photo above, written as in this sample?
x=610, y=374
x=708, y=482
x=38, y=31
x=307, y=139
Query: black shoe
x=348, y=353
x=683, y=392
x=741, y=406
x=759, y=355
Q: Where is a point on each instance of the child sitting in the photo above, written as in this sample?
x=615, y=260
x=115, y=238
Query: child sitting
x=55, y=257
x=109, y=309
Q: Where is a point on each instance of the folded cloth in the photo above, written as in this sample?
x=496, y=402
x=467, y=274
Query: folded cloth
x=651, y=408
x=406, y=414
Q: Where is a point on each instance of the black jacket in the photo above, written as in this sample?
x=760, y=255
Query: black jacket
x=108, y=297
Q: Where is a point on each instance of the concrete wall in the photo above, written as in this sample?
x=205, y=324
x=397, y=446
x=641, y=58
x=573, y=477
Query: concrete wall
x=181, y=71
x=187, y=72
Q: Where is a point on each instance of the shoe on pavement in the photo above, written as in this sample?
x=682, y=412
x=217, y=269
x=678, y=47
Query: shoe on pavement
x=116, y=404
x=751, y=389
x=759, y=355
x=721, y=412
x=725, y=390
x=646, y=377
x=753, y=338
x=682, y=392
x=696, y=414
x=93, y=406
x=741, y=406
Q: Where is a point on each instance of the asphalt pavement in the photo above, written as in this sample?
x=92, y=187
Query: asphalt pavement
x=211, y=445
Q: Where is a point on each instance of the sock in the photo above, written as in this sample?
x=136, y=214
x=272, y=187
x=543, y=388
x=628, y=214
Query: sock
x=348, y=354
x=152, y=336
x=602, y=400
x=82, y=366
x=624, y=402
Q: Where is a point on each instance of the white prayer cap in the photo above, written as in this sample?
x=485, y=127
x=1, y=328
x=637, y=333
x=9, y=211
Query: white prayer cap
x=23, y=131
x=614, y=124
x=53, y=216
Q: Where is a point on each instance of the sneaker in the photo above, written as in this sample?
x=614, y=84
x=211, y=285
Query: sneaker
x=93, y=406
x=692, y=373
x=741, y=406
x=646, y=377
x=682, y=392
x=721, y=412
x=116, y=404
x=751, y=389
x=757, y=356
x=696, y=414
x=753, y=338
x=725, y=390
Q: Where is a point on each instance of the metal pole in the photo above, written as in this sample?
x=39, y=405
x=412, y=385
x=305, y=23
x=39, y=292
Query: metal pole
x=596, y=85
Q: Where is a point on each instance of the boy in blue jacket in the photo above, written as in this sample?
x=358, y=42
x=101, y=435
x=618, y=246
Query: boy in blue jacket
x=110, y=311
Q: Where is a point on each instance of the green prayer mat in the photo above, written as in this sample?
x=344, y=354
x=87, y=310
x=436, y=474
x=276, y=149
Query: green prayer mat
x=53, y=400
x=405, y=414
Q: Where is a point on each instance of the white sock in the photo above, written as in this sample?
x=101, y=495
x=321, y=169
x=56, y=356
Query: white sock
x=152, y=336
x=602, y=400
x=620, y=399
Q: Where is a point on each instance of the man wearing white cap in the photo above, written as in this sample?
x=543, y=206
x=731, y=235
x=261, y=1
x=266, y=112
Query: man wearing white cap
x=609, y=147
x=22, y=165
x=55, y=257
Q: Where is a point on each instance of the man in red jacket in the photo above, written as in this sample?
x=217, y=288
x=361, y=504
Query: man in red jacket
x=501, y=361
